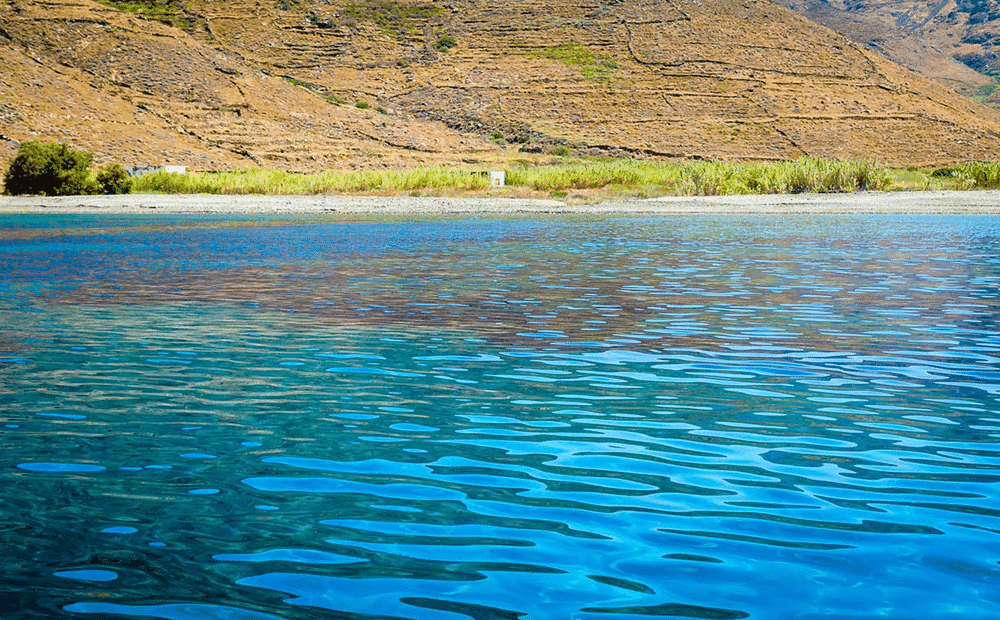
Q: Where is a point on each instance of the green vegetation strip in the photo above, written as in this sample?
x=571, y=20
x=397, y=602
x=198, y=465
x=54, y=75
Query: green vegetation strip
x=55, y=169
x=277, y=182
x=642, y=177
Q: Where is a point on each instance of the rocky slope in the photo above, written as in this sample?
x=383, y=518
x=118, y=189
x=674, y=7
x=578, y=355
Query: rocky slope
x=314, y=84
x=138, y=91
x=956, y=42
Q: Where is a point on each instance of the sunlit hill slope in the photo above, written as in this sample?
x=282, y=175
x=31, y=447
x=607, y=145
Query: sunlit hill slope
x=316, y=84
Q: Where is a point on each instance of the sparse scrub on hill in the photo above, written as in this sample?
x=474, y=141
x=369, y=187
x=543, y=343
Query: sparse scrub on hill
x=984, y=92
x=592, y=66
x=394, y=18
x=445, y=43
x=53, y=169
x=168, y=12
x=297, y=82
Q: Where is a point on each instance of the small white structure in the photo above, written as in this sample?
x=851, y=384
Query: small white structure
x=497, y=178
x=138, y=171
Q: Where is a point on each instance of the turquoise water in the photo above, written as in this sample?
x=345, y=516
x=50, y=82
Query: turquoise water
x=706, y=417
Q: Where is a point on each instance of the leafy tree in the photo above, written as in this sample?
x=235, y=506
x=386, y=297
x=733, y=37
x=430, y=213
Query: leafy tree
x=50, y=169
x=113, y=179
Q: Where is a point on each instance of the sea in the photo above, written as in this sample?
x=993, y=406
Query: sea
x=499, y=417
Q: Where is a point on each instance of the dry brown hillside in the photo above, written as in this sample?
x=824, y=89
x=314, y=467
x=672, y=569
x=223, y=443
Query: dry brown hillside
x=956, y=42
x=278, y=83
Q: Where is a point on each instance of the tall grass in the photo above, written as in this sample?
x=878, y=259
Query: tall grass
x=278, y=182
x=702, y=178
x=978, y=174
x=817, y=176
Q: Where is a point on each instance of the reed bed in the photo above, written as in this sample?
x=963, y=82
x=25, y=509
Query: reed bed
x=978, y=174
x=709, y=178
x=695, y=178
x=279, y=182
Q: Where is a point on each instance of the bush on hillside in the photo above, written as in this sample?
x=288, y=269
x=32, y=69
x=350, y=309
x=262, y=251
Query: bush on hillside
x=49, y=169
x=445, y=43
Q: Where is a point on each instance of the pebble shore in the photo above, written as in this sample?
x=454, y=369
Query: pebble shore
x=862, y=202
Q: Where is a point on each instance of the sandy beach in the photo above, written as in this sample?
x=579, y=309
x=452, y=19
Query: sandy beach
x=954, y=202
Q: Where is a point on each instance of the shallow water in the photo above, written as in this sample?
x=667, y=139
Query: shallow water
x=708, y=417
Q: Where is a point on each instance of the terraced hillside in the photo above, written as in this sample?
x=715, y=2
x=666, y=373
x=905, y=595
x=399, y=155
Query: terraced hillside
x=309, y=84
x=139, y=92
x=956, y=42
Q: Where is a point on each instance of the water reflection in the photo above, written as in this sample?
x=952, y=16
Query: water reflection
x=698, y=417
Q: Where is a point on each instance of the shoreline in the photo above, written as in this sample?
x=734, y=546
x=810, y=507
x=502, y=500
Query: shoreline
x=914, y=202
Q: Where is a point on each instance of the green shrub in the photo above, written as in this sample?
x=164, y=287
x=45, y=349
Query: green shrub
x=362, y=105
x=49, y=169
x=445, y=43
x=113, y=179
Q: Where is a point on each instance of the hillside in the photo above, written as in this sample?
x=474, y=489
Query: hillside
x=956, y=42
x=138, y=91
x=313, y=84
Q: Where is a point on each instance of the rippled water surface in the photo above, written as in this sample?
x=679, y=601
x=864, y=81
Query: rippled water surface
x=707, y=417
